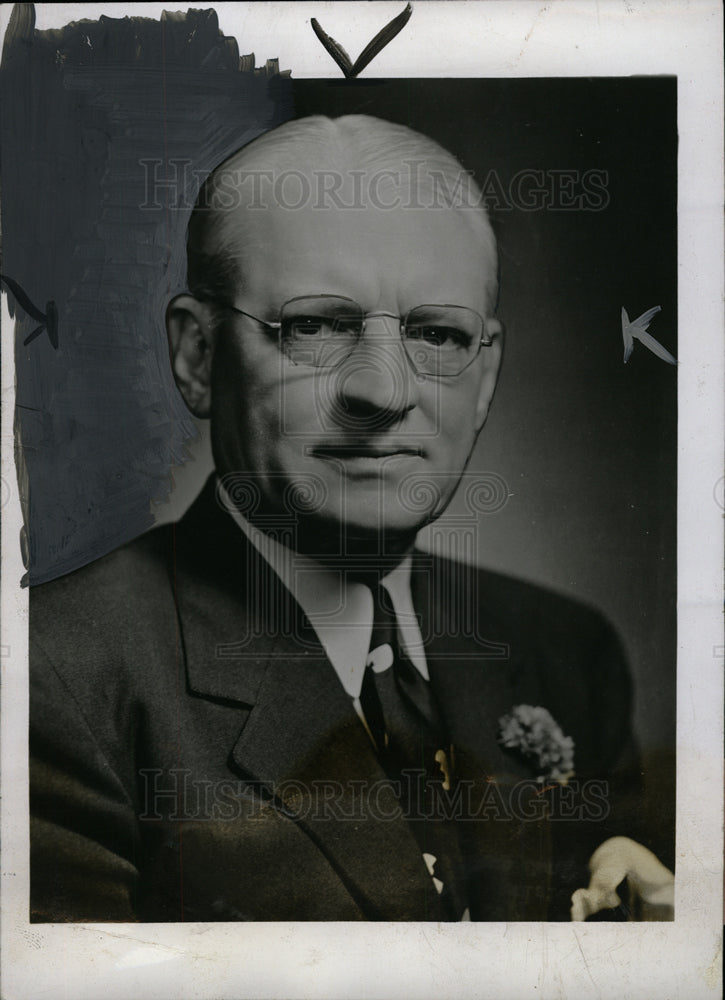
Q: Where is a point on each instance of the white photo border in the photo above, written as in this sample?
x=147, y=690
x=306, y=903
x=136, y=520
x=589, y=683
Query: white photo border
x=682, y=959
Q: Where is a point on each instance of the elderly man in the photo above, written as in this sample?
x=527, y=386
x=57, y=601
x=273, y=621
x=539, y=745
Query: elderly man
x=278, y=709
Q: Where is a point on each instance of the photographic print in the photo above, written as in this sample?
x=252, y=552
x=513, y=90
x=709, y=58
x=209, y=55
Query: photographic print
x=346, y=588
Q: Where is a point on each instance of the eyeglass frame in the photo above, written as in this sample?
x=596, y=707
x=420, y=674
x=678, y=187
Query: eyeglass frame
x=483, y=341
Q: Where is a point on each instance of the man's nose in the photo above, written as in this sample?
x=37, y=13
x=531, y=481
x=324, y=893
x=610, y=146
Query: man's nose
x=377, y=379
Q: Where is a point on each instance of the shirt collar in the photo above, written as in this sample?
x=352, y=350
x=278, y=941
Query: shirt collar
x=340, y=610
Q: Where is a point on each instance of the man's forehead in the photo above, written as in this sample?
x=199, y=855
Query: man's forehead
x=369, y=252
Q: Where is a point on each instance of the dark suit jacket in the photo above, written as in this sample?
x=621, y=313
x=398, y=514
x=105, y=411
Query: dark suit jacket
x=194, y=756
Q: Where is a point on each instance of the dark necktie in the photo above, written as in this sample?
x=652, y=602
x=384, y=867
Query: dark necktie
x=399, y=707
x=413, y=747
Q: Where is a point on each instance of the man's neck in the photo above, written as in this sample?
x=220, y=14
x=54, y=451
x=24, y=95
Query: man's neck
x=333, y=545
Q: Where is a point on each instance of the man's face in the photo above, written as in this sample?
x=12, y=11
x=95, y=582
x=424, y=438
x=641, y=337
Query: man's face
x=373, y=445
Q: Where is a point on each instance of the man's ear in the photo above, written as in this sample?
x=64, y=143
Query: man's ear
x=493, y=355
x=191, y=348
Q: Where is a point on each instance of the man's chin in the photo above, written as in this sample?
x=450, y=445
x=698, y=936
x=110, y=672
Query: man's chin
x=326, y=534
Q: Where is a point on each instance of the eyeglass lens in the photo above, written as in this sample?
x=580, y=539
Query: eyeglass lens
x=322, y=331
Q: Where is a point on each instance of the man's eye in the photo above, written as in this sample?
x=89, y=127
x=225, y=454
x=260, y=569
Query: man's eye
x=439, y=336
x=309, y=326
x=322, y=327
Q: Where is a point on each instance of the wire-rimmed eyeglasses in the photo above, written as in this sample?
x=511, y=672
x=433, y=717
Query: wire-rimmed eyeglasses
x=323, y=330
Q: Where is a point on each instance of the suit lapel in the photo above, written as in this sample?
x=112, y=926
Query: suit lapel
x=479, y=669
x=473, y=665
x=246, y=640
x=304, y=740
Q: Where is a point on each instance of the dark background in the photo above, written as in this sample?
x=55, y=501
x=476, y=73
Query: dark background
x=586, y=444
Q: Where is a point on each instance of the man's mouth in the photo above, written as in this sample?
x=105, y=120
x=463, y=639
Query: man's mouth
x=347, y=451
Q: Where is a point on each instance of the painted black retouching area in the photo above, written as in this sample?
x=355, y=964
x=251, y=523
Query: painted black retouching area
x=108, y=128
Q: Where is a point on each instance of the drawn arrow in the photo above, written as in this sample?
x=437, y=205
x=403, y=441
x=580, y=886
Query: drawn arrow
x=48, y=320
x=383, y=37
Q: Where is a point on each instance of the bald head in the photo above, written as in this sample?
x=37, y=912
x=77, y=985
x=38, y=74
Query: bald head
x=354, y=164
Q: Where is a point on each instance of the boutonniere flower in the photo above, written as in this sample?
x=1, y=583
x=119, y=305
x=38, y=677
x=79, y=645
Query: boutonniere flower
x=532, y=732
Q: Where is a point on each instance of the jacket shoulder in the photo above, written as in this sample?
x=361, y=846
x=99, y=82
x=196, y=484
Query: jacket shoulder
x=113, y=585
x=513, y=603
x=111, y=618
x=556, y=610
